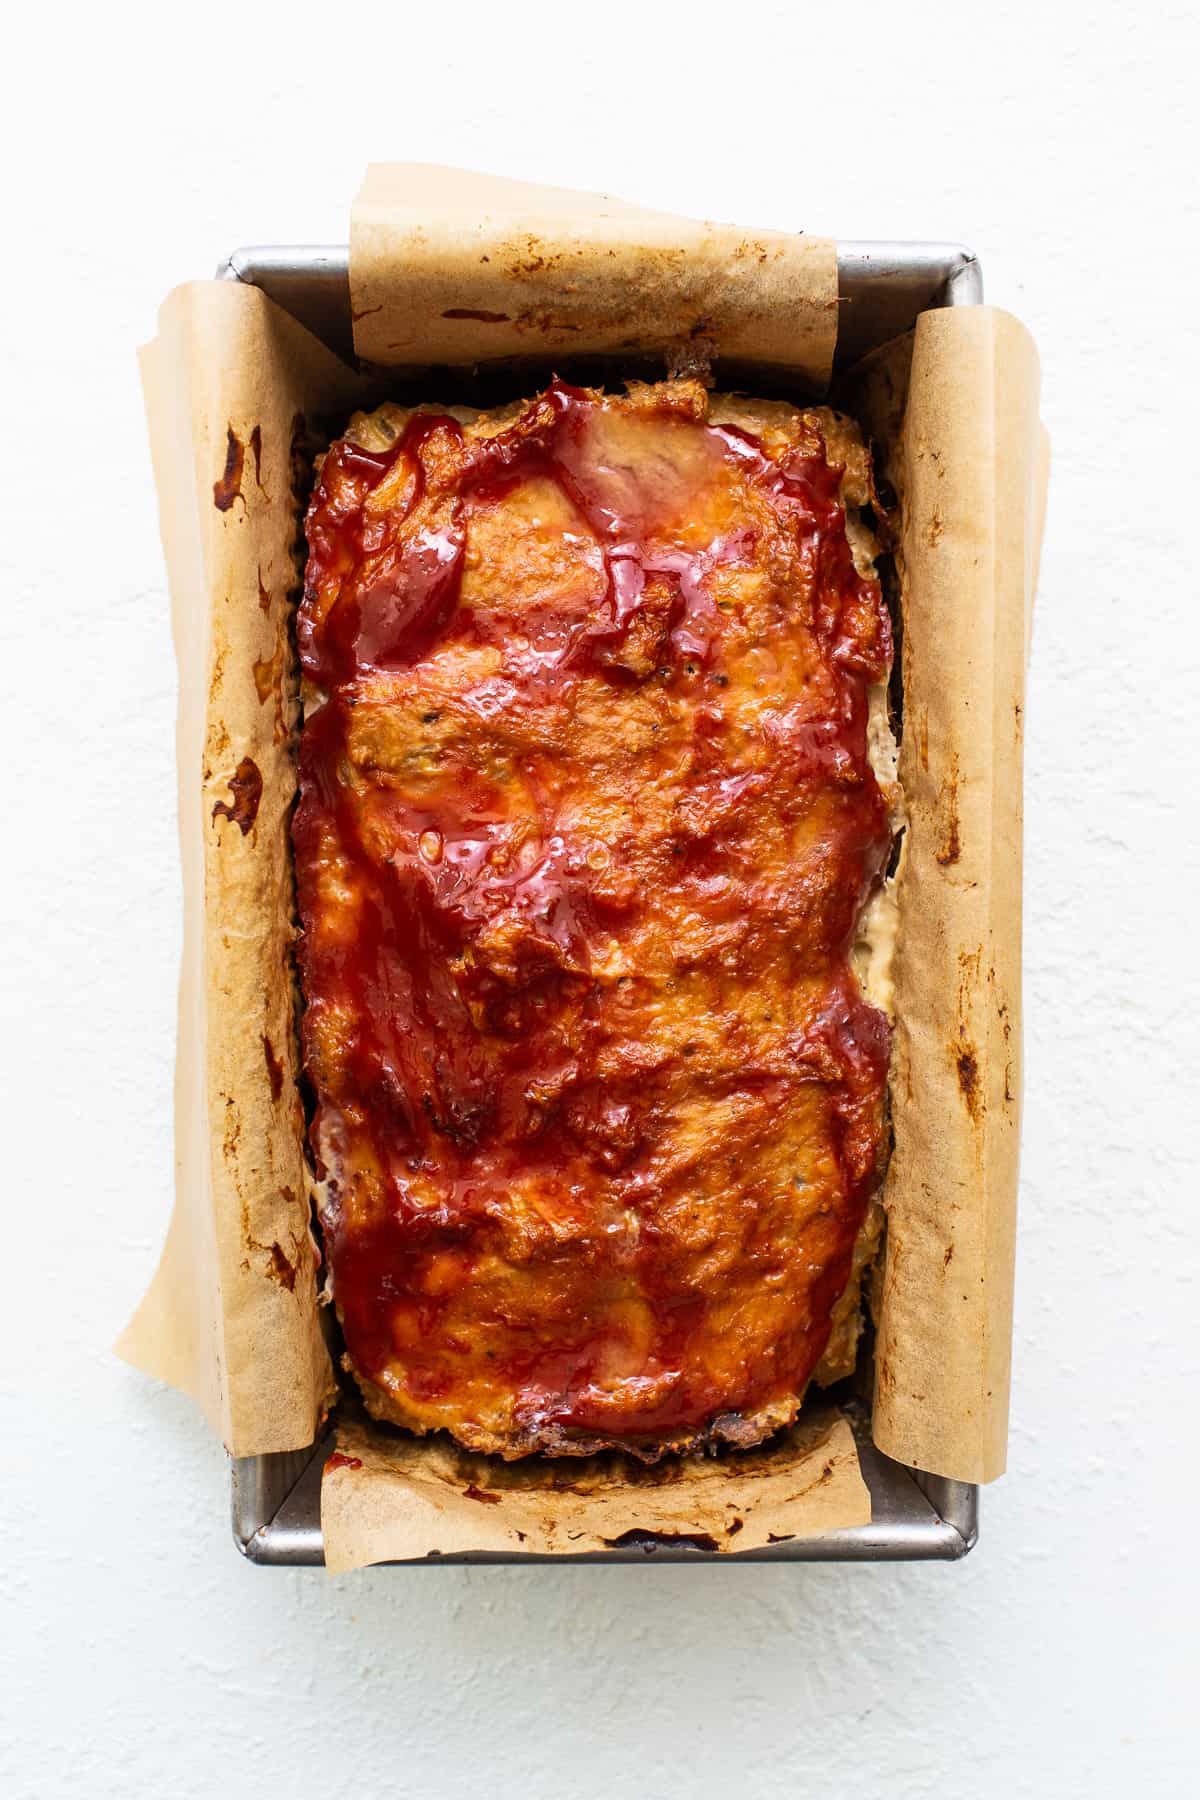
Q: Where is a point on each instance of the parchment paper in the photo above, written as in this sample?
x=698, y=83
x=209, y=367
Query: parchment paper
x=452, y=267
x=232, y=1317
x=385, y=1498
x=966, y=452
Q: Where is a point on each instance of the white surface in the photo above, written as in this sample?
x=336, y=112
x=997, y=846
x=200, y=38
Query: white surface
x=143, y=1657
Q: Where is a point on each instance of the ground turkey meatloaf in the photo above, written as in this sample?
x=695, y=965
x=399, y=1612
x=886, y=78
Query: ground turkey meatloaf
x=592, y=800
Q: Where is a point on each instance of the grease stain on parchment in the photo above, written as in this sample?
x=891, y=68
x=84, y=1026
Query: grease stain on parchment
x=950, y=849
x=246, y=786
x=228, y=487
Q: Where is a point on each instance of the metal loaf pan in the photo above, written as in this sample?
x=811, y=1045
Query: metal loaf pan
x=915, y=1516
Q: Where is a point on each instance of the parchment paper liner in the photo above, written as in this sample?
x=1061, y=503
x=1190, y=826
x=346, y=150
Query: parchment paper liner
x=232, y=1318
x=451, y=267
x=965, y=450
x=385, y=1497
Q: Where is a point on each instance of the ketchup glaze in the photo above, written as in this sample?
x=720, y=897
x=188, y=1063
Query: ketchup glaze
x=586, y=824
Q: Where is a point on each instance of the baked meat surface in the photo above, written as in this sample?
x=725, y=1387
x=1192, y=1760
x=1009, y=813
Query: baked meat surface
x=587, y=822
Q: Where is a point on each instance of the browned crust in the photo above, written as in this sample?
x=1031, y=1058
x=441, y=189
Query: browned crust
x=728, y=1431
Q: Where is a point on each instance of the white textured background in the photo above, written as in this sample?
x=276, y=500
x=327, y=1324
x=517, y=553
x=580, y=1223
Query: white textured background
x=142, y=1656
